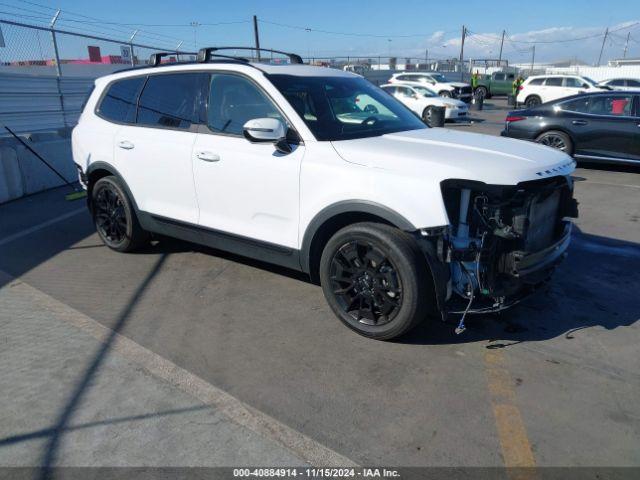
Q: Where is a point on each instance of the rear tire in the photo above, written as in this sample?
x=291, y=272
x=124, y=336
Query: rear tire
x=376, y=280
x=532, y=101
x=114, y=216
x=556, y=139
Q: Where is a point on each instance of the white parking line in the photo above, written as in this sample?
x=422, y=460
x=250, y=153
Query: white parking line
x=299, y=444
x=40, y=226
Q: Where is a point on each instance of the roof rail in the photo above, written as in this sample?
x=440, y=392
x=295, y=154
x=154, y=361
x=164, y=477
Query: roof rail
x=156, y=58
x=205, y=54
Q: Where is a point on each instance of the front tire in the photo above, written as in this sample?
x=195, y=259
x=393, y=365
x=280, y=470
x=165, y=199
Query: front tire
x=375, y=280
x=445, y=93
x=114, y=217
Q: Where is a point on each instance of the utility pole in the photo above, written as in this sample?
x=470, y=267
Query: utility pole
x=501, y=45
x=195, y=26
x=464, y=34
x=426, y=58
x=257, y=36
x=606, y=33
x=533, y=58
x=626, y=46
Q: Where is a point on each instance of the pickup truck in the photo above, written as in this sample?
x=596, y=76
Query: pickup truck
x=498, y=83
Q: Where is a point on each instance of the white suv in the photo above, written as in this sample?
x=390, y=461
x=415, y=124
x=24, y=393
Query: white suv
x=546, y=88
x=436, y=82
x=282, y=164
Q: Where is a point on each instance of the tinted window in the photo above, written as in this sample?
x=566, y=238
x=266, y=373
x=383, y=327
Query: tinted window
x=403, y=77
x=389, y=90
x=511, y=76
x=633, y=83
x=617, y=83
x=234, y=100
x=580, y=105
x=611, y=105
x=553, y=82
x=119, y=103
x=171, y=100
x=334, y=108
x=536, y=81
x=499, y=76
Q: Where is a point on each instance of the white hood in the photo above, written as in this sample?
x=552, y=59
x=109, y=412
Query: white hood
x=444, y=101
x=439, y=154
x=458, y=84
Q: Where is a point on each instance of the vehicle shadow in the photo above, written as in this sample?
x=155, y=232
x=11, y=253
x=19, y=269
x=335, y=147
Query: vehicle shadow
x=595, y=286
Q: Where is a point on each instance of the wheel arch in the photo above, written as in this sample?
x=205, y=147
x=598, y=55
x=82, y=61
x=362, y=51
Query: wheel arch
x=98, y=170
x=532, y=95
x=334, y=217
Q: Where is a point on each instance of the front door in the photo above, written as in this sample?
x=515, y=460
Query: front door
x=245, y=189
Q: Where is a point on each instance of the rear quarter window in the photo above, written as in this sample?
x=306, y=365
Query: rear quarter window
x=536, y=81
x=119, y=102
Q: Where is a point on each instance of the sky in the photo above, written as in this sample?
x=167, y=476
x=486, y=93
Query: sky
x=560, y=30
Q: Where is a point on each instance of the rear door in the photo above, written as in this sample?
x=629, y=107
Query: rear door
x=154, y=154
x=553, y=89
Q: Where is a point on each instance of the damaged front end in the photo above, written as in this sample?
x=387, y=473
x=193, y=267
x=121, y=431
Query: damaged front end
x=502, y=242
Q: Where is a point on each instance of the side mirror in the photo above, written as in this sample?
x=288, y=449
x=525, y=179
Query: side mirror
x=263, y=130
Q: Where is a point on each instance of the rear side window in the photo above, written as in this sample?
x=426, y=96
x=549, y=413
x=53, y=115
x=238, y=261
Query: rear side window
x=553, y=82
x=119, y=103
x=580, y=105
x=499, y=76
x=172, y=101
x=633, y=83
x=617, y=83
x=536, y=81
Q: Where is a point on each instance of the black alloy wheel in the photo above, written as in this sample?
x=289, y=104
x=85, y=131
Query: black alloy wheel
x=110, y=216
x=376, y=279
x=366, y=283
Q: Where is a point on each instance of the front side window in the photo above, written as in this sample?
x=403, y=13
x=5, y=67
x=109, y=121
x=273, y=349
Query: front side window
x=334, y=108
x=611, y=105
x=424, y=91
x=234, y=100
x=119, y=103
x=404, y=92
x=438, y=77
x=617, y=83
x=172, y=101
x=572, y=82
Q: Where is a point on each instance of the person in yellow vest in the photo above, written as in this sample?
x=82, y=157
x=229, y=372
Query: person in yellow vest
x=474, y=80
x=515, y=87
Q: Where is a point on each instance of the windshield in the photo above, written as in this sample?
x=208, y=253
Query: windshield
x=424, y=91
x=344, y=108
x=589, y=80
x=438, y=77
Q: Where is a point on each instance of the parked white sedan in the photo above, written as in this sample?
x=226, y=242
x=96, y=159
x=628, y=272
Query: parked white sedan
x=422, y=100
x=621, y=83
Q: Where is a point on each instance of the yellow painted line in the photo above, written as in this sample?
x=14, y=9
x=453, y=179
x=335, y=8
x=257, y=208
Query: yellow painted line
x=512, y=433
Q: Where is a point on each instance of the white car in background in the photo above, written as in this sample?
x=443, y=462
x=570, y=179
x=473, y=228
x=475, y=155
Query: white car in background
x=621, y=83
x=546, y=88
x=436, y=82
x=421, y=100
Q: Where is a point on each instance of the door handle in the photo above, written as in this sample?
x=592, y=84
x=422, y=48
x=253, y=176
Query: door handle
x=208, y=156
x=126, y=144
x=579, y=122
